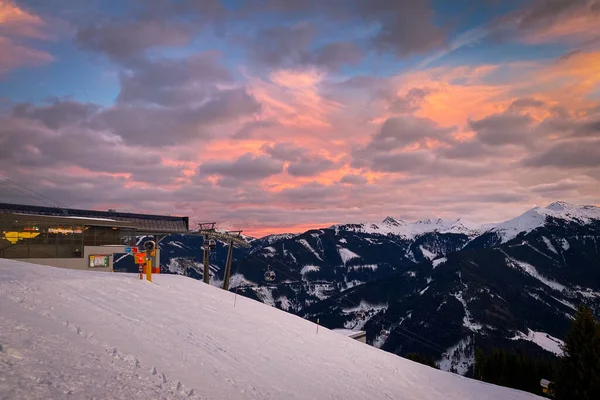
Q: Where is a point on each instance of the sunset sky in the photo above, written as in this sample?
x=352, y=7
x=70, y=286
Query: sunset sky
x=285, y=115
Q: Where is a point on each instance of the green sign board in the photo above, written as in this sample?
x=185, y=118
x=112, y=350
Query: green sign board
x=99, y=261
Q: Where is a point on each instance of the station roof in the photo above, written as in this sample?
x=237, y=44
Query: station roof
x=142, y=223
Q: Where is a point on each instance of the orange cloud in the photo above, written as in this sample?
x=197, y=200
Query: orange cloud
x=18, y=23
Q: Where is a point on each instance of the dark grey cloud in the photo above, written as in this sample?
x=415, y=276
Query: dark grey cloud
x=353, y=179
x=407, y=27
x=247, y=167
x=578, y=154
x=155, y=126
x=290, y=46
x=173, y=81
x=301, y=161
x=310, y=166
x=504, y=129
x=471, y=149
x=148, y=25
x=26, y=144
x=402, y=131
x=392, y=162
x=544, y=13
x=526, y=102
x=124, y=40
x=284, y=151
x=57, y=113
x=539, y=15
x=250, y=129
x=409, y=103
x=554, y=188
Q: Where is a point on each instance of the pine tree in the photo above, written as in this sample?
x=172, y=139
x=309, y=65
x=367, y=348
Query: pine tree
x=579, y=369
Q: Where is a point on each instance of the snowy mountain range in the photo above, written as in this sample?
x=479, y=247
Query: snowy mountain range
x=431, y=286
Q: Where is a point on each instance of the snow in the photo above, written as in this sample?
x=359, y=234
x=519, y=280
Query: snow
x=372, y=267
x=309, y=268
x=422, y=292
x=285, y=303
x=411, y=230
x=439, y=261
x=87, y=334
x=549, y=244
x=237, y=280
x=532, y=271
x=427, y=254
x=270, y=239
x=565, y=244
x=346, y=254
x=176, y=244
x=343, y=240
x=365, y=306
x=304, y=243
x=542, y=339
x=461, y=357
x=467, y=321
x=536, y=217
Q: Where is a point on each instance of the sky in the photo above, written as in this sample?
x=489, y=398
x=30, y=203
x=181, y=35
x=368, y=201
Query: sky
x=283, y=115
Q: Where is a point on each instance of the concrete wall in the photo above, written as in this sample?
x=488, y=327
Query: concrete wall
x=81, y=263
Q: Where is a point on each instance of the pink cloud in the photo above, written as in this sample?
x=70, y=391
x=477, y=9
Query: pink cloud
x=15, y=25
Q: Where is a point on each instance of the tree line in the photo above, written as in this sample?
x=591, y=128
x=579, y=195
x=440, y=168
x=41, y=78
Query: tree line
x=575, y=375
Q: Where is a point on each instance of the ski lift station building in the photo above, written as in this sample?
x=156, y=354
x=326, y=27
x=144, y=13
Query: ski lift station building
x=360, y=336
x=77, y=239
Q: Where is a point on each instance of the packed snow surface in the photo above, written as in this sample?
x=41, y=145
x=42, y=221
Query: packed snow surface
x=536, y=217
x=87, y=334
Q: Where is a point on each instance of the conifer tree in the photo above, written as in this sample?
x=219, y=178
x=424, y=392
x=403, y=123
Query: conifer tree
x=579, y=369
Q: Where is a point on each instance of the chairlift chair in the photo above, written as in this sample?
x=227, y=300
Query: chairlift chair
x=269, y=275
x=212, y=244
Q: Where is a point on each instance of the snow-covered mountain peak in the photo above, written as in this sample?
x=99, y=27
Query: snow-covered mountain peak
x=393, y=221
x=538, y=216
x=410, y=230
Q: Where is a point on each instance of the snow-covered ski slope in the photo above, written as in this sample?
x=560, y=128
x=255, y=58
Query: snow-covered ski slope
x=68, y=334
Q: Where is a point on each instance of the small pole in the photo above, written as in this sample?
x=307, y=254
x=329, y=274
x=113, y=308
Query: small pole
x=317, y=326
x=149, y=269
x=235, y=297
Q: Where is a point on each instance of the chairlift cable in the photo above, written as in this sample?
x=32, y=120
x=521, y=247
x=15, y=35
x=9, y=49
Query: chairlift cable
x=378, y=318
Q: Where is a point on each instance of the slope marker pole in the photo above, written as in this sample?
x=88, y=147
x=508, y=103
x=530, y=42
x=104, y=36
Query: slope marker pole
x=235, y=297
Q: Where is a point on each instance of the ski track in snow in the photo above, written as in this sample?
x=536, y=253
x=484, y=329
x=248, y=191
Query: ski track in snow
x=439, y=261
x=533, y=272
x=88, y=334
x=549, y=244
x=467, y=321
x=304, y=243
x=346, y=255
x=427, y=254
x=309, y=268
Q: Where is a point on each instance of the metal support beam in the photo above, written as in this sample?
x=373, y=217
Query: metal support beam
x=228, y=266
x=206, y=262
